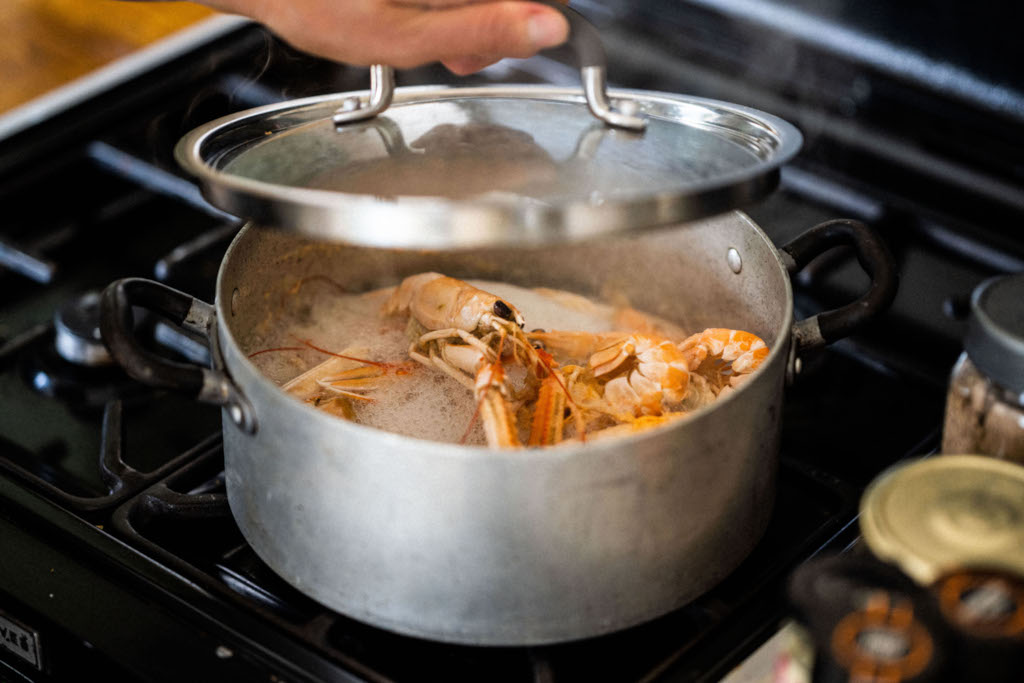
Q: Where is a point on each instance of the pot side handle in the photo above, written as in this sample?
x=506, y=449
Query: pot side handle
x=874, y=257
x=205, y=384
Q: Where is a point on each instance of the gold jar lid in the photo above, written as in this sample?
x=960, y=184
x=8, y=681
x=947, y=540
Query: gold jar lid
x=945, y=513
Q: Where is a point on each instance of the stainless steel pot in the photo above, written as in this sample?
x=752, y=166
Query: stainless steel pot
x=471, y=545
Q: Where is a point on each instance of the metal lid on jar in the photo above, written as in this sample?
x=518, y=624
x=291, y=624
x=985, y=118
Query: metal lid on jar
x=995, y=331
x=946, y=513
x=439, y=167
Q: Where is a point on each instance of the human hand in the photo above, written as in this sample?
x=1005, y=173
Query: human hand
x=465, y=35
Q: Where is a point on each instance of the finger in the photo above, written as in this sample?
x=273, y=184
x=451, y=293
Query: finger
x=463, y=66
x=435, y=4
x=500, y=29
x=406, y=37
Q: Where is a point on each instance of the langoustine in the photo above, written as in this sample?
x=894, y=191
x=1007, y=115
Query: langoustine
x=450, y=311
x=645, y=380
x=557, y=384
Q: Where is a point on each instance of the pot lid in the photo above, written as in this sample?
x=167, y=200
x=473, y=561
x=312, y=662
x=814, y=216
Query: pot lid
x=439, y=167
x=947, y=513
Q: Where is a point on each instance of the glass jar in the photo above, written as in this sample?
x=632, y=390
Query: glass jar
x=985, y=403
x=954, y=524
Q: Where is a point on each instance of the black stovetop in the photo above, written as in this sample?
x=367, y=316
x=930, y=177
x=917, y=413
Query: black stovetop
x=119, y=555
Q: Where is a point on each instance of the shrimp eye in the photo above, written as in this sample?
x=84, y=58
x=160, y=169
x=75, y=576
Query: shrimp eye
x=502, y=310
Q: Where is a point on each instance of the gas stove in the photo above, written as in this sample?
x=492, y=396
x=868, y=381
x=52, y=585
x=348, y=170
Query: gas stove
x=119, y=555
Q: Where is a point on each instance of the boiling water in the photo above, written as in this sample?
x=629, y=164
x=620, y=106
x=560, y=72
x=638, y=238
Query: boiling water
x=416, y=401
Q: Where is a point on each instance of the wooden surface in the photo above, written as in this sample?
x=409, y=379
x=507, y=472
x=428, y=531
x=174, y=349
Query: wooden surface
x=47, y=43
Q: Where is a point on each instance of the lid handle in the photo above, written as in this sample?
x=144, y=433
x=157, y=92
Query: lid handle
x=382, y=90
x=586, y=43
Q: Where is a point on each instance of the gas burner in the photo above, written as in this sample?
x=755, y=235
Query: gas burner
x=77, y=325
x=45, y=368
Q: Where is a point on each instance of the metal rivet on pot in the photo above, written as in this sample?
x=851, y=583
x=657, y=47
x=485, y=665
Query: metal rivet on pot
x=627, y=107
x=733, y=258
x=235, y=295
x=235, y=412
x=223, y=652
x=350, y=104
x=798, y=366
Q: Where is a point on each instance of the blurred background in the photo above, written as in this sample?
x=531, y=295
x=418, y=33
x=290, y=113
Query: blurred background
x=51, y=42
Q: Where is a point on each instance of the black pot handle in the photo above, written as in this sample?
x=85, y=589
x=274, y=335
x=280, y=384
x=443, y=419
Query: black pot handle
x=874, y=257
x=117, y=326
